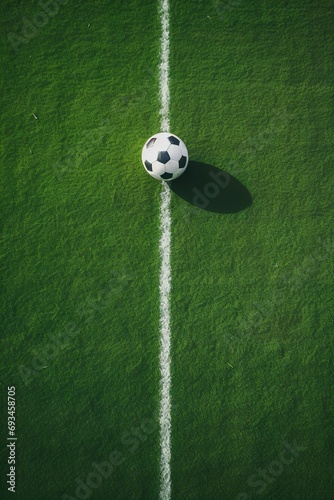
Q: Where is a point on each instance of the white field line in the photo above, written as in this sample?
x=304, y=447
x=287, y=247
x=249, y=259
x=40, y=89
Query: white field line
x=164, y=66
x=165, y=274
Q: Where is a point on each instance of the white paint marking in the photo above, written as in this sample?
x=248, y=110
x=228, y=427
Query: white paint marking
x=164, y=67
x=165, y=360
x=165, y=273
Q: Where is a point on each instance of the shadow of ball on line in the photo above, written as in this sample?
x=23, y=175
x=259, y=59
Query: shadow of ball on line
x=212, y=189
x=165, y=156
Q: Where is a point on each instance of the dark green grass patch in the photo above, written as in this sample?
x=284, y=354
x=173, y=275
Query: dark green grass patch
x=80, y=263
x=252, y=297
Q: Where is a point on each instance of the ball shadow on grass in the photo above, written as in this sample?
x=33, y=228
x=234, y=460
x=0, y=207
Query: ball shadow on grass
x=212, y=189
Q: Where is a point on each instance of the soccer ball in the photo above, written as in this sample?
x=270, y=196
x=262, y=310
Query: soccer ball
x=165, y=156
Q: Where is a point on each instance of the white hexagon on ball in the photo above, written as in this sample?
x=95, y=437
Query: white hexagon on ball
x=165, y=156
x=157, y=168
x=175, y=152
x=172, y=166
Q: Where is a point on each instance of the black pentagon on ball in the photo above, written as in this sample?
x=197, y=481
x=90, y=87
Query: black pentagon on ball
x=148, y=165
x=151, y=142
x=163, y=157
x=182, y=162
x=166, y=176
x=173, y=140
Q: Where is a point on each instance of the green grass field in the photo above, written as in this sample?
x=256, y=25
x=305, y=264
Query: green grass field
x=251, y=86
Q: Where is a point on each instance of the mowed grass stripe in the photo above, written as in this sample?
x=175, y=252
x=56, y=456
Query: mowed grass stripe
x=253, y=289
x=77, y=213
